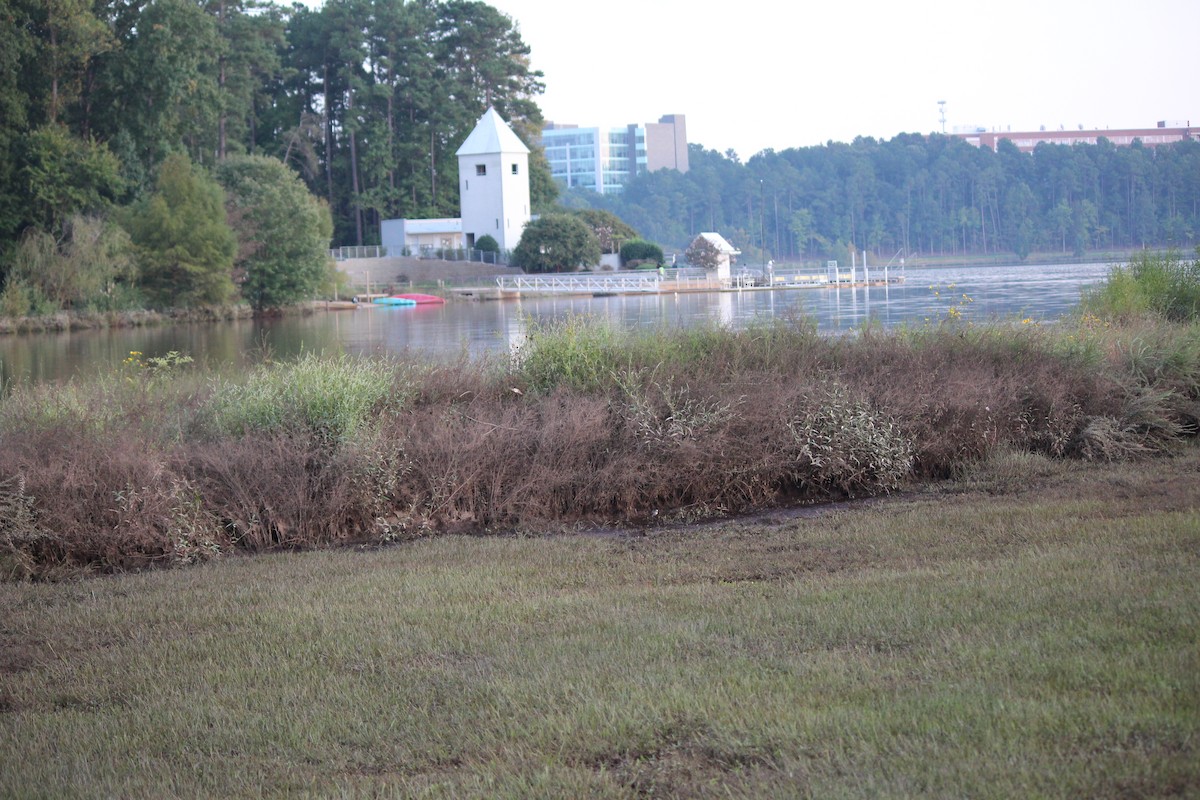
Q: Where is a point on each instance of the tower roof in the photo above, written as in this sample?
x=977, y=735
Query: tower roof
x=491, y=135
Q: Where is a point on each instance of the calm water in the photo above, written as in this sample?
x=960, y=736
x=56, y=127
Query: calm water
x=981, y=293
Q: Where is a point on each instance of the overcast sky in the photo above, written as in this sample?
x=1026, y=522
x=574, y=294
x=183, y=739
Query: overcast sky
x=757, y=74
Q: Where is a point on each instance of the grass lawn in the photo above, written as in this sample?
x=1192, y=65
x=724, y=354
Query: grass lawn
x=1030, y=630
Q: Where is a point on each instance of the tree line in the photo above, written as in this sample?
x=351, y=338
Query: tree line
x=920, y=195
x=365, y=100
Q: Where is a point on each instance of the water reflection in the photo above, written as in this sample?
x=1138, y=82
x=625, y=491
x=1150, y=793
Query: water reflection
x=978, y=294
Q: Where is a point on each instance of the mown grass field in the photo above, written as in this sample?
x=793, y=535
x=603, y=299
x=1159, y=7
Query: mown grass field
x=1030, y=630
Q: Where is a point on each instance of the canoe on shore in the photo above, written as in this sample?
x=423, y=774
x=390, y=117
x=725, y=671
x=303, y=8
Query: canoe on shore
x=394, y=301
x=421, y=299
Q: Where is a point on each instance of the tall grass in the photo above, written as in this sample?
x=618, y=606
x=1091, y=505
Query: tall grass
x=1164, y=285
x=588, y=354
x=588, y=423
x=328, y=397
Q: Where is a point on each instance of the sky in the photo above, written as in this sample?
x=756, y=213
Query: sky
x=757, y=74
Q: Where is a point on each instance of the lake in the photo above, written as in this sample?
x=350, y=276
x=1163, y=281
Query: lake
x=1042, y=293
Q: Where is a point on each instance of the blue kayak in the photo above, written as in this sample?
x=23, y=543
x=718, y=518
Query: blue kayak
x=393, y=301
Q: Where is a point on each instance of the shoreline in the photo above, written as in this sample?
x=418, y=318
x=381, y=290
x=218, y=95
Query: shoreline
x=67, y=321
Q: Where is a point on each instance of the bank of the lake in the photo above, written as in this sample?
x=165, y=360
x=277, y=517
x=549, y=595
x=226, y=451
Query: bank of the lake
x=163, y=460
x=67, y=321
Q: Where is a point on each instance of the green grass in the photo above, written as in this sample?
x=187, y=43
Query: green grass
x=329, y=397
x=1027, y=631
x=1163, y=285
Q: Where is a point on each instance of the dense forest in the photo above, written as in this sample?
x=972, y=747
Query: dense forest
x=366, y=100
x=921, y=195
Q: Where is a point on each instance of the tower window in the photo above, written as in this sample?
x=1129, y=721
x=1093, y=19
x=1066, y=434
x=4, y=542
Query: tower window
x=515, y=171
x=481, y=169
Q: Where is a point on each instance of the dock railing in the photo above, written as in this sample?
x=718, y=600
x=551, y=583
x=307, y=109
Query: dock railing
x=627, y=282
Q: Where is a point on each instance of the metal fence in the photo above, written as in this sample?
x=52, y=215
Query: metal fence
x=366, y=251
x=604, y=282
x=428, y=252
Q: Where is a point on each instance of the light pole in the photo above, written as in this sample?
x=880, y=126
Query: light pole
x=762, y=228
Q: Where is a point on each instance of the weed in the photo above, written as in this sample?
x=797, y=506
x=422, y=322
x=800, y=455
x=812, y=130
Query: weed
x=327, y=397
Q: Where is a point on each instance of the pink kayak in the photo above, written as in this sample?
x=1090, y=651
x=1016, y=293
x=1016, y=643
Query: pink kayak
x=421, y=299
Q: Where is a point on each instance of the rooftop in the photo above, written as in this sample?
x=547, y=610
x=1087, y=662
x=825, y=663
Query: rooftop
x=491, y=135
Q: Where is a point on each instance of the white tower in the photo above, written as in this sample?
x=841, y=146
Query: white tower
x=493, y=183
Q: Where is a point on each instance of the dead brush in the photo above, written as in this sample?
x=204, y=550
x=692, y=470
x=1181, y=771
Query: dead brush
x=603, y=426
x=100, y=502
x=279, y=491
x=494, y=461
x=958, y=400
x=659, y=412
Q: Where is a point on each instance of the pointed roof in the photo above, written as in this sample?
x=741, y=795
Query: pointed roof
x=491, y=135
x=721, y=243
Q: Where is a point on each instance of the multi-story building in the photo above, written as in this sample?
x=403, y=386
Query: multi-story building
x=605, y=159
x=1167, y=132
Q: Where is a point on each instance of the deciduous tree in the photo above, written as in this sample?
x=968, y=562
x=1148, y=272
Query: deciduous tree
x=185, y=246
x=283, y=231
x=610, y=230
x=556, y=243
x=703, y=253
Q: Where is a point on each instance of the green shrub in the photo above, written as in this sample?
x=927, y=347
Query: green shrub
x=641, y=251
x=20, y=299
x=487, y=244
x=1159, y=284
x=556, y=243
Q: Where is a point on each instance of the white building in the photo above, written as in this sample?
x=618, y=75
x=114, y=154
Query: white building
x=421, y=234
x=493, y=183
x=493, y=186
x=725, y=254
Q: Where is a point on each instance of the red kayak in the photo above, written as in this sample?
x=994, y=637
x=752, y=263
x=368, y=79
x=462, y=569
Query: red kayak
x=421, y=299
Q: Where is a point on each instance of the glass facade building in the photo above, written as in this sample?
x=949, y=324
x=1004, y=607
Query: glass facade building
x=605, y=159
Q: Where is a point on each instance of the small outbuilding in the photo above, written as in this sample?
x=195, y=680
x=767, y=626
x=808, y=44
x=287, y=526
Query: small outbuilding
x=714, y=254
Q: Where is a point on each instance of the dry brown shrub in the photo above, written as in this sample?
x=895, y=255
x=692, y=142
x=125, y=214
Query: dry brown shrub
x=652, y=447
x=487, y=461
x=101, y=503
x=959, y=401
x=271, y=492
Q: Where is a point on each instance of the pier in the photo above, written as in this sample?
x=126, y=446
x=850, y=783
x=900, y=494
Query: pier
x=688, y=280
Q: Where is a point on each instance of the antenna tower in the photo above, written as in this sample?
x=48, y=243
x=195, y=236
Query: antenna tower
x=942, y=113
